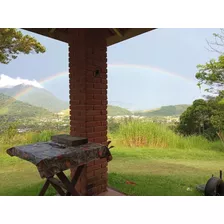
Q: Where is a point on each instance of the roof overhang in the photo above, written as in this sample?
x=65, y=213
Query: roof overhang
x=115, y=35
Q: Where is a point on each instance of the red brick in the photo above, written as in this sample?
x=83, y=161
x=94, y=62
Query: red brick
x=104, y=102
x=90, y=174
x=89, y=129
x=91, y=135
x=91, y=123
x=91, y=139
x=91, y=163
x=98, y=189
x=100, y=118
x=74, y=102
x=97, y=80
x=89, y=101
x=100, y=107
x=96, y=101
x=100, y=128
x=104, y=187
x=89, y=107
x=95, y=167
x=98, y=123
x=104, y=81
x=97, y=86
x=89, y=96
x=100, y=182
x=103, y=112
x=92, y=191
x=104, y=164
x=89, y=118
x=99, y=161
x=89, y=85
x=93, y=112
x=100, y=171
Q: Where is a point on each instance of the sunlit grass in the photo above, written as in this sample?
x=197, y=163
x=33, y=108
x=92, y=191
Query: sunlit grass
x=157, y=160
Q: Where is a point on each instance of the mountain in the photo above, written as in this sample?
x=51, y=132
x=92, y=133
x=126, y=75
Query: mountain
x=172, y=110
x=117, y=111
x=13, y=109
x=35, y=96
x=111, y=111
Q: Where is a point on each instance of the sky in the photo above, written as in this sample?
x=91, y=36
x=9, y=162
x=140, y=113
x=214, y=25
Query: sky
x=148, y=71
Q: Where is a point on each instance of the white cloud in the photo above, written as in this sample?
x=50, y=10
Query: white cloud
x=8, y=82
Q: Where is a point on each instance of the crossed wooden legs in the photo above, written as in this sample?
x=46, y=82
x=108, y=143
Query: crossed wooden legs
x=63, y=186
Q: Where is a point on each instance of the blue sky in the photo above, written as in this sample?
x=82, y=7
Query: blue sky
x=175, y=51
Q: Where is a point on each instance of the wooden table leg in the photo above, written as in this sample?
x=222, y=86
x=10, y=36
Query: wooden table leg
x=65, y=183
x=44, y=188
x=70, y=188
x=58, y=189
x=75, y=178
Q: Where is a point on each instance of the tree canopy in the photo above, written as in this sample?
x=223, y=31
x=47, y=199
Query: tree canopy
x=212, y=74
x=13, y=42
x=204, y=117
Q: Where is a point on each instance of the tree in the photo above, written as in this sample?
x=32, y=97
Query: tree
x=212, y=74
x=195, y=120
x=13, y=42
x=204, y=117
x=217, y=119
x=218, y=44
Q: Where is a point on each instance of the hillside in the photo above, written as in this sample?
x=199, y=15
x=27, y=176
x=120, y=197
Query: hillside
x=38, y=97
x=173, y=110
x=117, y=111
x=111, y=111
x=13, y=110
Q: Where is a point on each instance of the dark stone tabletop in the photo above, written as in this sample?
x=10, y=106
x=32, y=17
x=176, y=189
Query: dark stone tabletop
x=51, y=158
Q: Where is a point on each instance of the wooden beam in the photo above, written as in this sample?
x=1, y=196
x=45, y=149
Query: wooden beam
x=52, y=30
x=117, y=31
x=61, y=35
x=56, y=34
x=132, y=32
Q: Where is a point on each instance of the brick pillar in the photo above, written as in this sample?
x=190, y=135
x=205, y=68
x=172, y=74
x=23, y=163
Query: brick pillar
x=88, y=99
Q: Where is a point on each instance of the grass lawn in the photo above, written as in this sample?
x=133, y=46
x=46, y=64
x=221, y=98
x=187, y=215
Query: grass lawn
x=154, y=171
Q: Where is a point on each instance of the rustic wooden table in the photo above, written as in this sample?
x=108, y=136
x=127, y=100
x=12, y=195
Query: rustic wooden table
x=51, y=159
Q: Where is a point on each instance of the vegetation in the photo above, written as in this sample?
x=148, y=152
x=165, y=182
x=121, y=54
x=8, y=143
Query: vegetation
x=117, y=111
x=204, y=117
x=151, y=157
x=173, y=167
x=16, y=109
x=38, y=97
x=175, y=110
x=12, y=111
x=13, y=42
x=211, y=74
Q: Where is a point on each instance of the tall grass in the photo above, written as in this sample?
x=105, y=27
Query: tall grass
x=137, y=133
x=25, y=138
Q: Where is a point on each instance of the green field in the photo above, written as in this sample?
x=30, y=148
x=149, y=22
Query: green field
x=155, y=169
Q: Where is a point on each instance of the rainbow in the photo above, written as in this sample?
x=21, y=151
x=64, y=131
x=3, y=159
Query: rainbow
x=42, y=81
x=148, y=67
x=152, y=68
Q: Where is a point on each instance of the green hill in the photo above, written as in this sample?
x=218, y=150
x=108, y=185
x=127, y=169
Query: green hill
x=14, y=110
x=38, y=97
x=111, y=111
x=117, y=111
x=173, y=110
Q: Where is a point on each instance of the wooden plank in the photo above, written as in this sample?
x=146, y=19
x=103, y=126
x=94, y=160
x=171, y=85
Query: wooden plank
x=44, y=188
x=76, y=176
x=56, y=182
x=69, y=187
x=58, y=189
x=132, y=32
